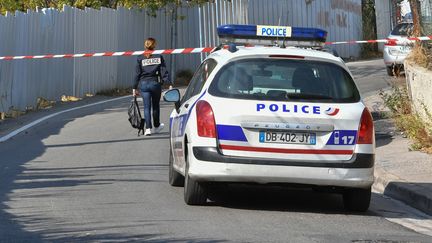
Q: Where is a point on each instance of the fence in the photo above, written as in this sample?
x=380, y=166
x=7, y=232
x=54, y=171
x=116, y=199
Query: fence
x=426, y=15
x=79, y=31
x=341, y=18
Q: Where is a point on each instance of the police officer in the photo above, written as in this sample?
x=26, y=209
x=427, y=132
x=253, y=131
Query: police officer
x=151, y=74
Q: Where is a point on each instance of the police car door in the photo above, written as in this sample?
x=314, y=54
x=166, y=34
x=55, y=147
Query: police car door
x=193, y=93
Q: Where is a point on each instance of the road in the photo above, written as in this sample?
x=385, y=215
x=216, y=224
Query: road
x=86, y=176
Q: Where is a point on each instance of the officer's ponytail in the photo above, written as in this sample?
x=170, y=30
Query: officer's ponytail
x=149, y=45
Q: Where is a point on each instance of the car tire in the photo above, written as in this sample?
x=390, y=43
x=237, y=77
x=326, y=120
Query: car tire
x=194, y=191
x=175, y=178
x=357, y=200
x=390, y=71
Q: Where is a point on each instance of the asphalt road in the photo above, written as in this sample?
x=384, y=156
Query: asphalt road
x=85, y=176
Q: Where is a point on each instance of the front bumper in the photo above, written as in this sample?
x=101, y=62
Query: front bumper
x=208, y=164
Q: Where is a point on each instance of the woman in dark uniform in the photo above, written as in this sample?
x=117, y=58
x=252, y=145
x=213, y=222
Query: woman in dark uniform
x=151, y=74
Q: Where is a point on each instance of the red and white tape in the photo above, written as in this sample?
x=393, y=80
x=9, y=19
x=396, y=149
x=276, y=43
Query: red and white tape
x=193, y=50
x=395, y=41
x=113, y=54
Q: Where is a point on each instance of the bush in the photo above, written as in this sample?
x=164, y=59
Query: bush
x=421, y=55
x=407, y=121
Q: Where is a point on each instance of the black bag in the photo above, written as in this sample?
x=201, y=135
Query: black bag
x=135, y=117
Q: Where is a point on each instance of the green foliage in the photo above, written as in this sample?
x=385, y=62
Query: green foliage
x=151, y=5
x=397, y=101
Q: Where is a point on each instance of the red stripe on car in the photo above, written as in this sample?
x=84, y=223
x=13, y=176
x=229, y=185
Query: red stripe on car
x=286, y=151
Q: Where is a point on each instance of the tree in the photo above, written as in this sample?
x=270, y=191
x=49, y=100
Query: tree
x=369, y=27
x=151, y=5
x=415, y=11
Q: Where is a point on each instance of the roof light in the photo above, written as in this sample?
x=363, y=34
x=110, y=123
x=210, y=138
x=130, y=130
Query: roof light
x=269, y=35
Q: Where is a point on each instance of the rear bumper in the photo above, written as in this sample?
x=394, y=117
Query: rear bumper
x=209, y=165
x=212, y=154
x=391, y=60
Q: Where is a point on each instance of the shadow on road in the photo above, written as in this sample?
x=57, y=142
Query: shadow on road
x=31, y=223
x=288, y=199
x=384, y=129
x=276, y=198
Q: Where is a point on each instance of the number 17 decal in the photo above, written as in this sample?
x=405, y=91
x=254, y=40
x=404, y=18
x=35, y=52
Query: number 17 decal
x=348, y=139
x=342, y=137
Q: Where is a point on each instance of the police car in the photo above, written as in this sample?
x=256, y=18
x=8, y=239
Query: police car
x=288, y=113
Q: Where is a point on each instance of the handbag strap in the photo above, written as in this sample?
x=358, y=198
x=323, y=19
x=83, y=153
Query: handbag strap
x=139, y=113
x=137, y=105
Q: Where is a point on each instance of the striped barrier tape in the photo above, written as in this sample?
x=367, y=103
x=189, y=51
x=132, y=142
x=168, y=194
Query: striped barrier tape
x=114, y=54
x=192, y=50
x=395, y=41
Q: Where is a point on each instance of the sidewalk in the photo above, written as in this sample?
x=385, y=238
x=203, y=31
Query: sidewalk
x=400, y=173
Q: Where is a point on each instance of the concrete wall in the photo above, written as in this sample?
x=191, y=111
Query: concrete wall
x=419, y=84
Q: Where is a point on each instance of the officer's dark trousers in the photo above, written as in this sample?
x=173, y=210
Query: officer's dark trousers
x=151, y=94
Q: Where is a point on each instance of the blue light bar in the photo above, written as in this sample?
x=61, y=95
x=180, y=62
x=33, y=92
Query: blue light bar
x=265, y=32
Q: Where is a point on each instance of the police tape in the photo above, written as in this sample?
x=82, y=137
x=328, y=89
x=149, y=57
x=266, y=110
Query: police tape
x=387, y=40
x=114, y=54
x=197, y=50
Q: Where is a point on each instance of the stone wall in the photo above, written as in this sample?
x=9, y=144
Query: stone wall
x=419, y=83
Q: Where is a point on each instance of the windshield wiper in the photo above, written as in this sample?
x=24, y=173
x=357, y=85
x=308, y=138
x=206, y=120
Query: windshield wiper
x=307, y=96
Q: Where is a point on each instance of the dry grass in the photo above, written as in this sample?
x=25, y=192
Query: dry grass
x=421, y=55
x=418, y=130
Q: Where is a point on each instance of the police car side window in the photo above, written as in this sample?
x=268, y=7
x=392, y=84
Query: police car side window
x=199, y=79
x=207, y=69
x=192, y=83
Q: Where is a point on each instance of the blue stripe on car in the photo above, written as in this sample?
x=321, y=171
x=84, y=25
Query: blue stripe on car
x=233, y=133
x=342, y=137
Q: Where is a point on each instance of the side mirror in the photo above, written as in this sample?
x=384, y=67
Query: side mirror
x=173, y=95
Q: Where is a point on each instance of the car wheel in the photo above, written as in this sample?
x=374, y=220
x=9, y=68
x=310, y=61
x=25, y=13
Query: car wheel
x=175, y=178
x=194, y=191
x=390, y=71
x=357, y=200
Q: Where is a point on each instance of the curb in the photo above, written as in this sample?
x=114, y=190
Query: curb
x=411, y=194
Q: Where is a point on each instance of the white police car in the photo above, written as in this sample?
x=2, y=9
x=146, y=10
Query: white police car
x=268, y=114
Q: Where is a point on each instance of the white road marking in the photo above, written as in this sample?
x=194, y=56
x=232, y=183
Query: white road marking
x=398, y=212
x=34, y=123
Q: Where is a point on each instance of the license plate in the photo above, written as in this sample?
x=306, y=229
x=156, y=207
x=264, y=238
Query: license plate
x=287, y=137
x=405, y=49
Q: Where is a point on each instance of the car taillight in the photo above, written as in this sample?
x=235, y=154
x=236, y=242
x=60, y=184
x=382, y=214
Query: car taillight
x=206, y=124
x=391, y=42
x=366, y=128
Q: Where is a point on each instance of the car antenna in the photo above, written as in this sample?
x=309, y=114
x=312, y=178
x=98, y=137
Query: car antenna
x=277, y=38
x=284, y=39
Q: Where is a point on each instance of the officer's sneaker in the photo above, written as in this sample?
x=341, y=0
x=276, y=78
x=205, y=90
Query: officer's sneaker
x=159, y=128
x=147, y=132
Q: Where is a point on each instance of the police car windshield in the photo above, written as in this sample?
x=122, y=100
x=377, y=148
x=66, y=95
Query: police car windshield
x=285, y=80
